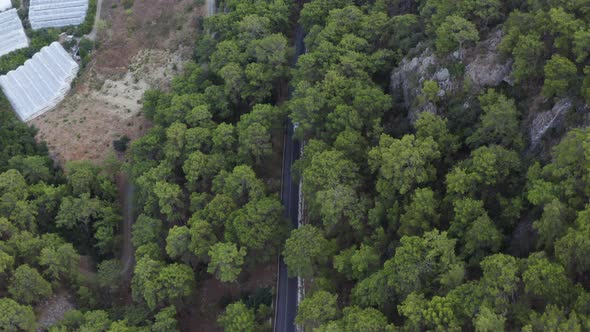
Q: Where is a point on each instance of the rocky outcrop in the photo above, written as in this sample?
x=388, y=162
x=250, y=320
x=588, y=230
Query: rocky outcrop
x=484, y=67
x=407, y=81
x=488, y=68
x=544, y=121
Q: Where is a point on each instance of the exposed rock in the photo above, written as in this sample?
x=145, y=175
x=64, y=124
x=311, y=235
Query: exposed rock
x=442, y=75
x=428, y=107
x=488, y=68
x=407, y=79
x=549, y=119
x=485, y=67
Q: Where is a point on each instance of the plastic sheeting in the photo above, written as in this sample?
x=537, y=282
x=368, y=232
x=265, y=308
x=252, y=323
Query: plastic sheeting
x=5, y=4
x=12, y=34
x=57, y=13
x=41, y=83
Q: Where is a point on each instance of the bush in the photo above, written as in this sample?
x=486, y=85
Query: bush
x=121, y=144
x=85, y=47
x=86, y=27
x=127, y=4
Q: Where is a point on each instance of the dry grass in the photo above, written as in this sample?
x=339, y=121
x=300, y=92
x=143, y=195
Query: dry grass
x=139, y=48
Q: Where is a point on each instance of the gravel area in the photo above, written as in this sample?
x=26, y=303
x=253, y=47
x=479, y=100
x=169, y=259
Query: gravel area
x=53, y=310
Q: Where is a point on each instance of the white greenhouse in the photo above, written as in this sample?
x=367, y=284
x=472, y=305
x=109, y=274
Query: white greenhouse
x=5, y=4
x=41, y=83
x=12, y=34
x=57, y=13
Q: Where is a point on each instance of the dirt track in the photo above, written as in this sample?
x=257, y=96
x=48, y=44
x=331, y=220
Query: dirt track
x=92, y=34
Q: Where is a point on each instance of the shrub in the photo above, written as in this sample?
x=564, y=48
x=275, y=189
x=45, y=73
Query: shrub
x=121, y=144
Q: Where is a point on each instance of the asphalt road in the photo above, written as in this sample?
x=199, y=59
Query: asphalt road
x=286, y=309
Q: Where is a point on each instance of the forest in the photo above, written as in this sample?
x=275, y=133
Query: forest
x=433, y=213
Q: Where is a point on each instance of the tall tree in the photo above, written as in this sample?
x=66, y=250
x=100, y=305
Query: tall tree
x=573, y=249
x=306, y=251
x=421, y=214
x=558, y=76
x=177, y=243
x=28, y=286
x=316, y=309
x=202, y=238
x=260, y=227
x=454, y=33
x=499, y=122
x=237, y=318
x=226, y=261
x=402, y=164
x=16, y=317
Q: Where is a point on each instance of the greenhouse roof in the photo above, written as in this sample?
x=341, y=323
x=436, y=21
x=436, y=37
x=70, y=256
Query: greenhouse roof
x=5, y=4
x=12, y=34
x=56, y=13
x=41, y=83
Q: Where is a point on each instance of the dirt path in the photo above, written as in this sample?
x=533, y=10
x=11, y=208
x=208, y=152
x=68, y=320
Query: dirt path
x=92, y=34
x=210, y=7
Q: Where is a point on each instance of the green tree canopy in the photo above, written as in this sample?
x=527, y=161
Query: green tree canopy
x=28, y=286
x=226, y=261
x=306, y=251
x=316, y=309
x=16, y=317
x=454, y=33
x=237, y=318
x=558, y=76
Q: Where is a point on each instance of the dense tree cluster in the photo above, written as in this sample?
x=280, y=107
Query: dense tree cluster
x=47, y=219
x=446, y=224
x=206, y=173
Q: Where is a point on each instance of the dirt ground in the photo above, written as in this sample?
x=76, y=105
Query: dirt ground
x=138, y=48
x=53, y=309
x=203, y=316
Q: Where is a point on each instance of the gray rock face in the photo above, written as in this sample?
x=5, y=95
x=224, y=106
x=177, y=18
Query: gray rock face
x=407, y=79
x=549, y=119
x=484, y=67
x=442, y=75
x=488, y=68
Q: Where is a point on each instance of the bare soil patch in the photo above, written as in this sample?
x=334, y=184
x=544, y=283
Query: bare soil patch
x=138, y=48
x=211, y=294
x=53, y=310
